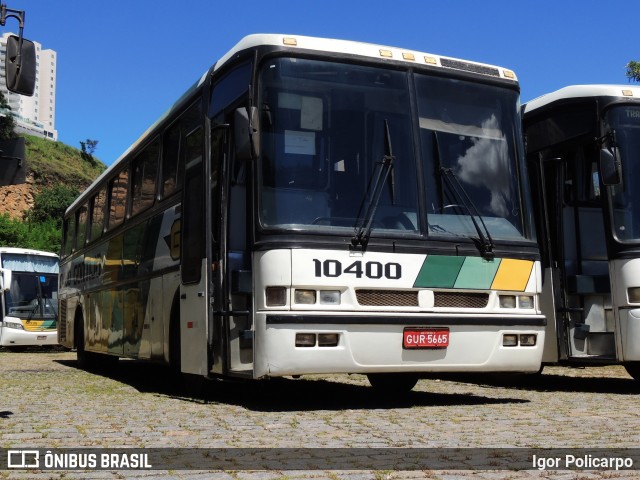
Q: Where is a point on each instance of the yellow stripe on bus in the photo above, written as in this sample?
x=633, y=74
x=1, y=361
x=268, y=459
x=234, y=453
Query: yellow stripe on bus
x=512, y=275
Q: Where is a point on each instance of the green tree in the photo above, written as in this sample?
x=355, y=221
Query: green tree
x=51, y=203
x=45, y=236
x=88, y=148
x=11, y=231
x=633, y=71
x=7, y=123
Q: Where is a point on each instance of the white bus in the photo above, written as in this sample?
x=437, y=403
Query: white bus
x=315, y=206
x=582, y=147
x=29, y=286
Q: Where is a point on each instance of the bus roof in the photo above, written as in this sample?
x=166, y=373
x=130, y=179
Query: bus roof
x=370, y=50
x=583, y=91
x=26, y=251
x=334, y=46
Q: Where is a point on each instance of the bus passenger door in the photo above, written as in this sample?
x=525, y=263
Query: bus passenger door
x=194, y=266
x=231, y=318
x=579, y=255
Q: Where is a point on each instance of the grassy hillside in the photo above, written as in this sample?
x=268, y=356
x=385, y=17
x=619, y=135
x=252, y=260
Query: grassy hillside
x=54, y=162
x=31, y=213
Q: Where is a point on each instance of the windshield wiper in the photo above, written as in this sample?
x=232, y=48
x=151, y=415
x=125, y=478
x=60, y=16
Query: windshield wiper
x=364, y=222
x=35, y=308
x=484, y=243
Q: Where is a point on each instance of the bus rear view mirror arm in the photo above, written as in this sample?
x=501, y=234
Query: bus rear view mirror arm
x=246, y=133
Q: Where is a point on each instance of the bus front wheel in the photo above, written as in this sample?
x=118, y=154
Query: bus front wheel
x=393, y=382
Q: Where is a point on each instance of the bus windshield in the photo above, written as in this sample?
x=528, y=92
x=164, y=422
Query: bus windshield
x=468, y=134
x=625, y=122
x=32, y=296
x=324, y=137
x=33, y=289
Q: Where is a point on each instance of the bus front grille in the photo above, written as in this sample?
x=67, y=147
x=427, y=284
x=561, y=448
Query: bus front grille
x=387, y=298
x=400, y=298
x=460, y=300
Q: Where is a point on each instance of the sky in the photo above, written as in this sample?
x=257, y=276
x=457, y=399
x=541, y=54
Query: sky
x=122, y=63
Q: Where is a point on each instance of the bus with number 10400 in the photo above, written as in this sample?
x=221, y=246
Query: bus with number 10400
x=315, y=206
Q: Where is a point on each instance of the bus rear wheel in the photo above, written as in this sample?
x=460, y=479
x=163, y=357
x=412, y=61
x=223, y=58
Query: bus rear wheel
x=633, y=369
x=390, y=383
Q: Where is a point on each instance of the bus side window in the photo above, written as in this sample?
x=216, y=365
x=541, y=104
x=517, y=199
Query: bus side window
x=143, y=183
x=97, y=214
x=81, y=233
x=193, y=246
x=171, y=175
x=69, y=234
x=118, y=198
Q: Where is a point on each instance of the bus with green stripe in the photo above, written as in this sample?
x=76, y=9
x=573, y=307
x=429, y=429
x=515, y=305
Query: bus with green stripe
x=29, y=297
x=315, y=206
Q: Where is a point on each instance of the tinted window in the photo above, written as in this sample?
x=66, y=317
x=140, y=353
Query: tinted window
x=193, y=211
x=143, y=185
x=170, y=160
x=118, y=198
x=83, y=214
x=229, y=88
x=69, y=234
x=97, y=214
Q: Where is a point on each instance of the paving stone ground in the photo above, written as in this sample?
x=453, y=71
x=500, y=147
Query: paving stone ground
x=47, y=402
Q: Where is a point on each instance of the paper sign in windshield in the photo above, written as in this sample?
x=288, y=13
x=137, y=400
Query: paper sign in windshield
x=300, y=143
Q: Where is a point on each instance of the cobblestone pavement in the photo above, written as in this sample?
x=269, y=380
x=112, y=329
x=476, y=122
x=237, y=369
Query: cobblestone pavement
x=47, y=403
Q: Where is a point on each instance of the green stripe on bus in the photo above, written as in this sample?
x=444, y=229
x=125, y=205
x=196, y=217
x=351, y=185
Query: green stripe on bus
x=477, y=273
x=439, y=271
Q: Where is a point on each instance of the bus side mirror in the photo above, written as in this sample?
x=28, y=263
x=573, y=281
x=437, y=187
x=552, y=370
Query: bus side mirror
x=246, y=133
x=5, y=280
x=610, y=167
x=20, y=65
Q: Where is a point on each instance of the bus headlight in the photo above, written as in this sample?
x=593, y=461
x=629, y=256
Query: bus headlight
x=507, y=301
x=276, y=296
x=305, y=339
x=14, y=325
x=634, y=294
x=525, y=301
x=330, y=297
x=305, y=297
x=528, y=339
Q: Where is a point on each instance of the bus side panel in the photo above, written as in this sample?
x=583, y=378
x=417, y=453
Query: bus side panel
x=625, y=276
x=548, y=306
x=170, y=286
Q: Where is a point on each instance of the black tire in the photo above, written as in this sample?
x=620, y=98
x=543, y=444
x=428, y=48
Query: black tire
x=633, y=369
x=393, y=383
x=16, y=349
x=86, y=360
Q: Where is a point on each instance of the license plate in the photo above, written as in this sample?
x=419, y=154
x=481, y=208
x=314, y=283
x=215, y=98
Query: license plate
x=42, y=337
x=414, y=338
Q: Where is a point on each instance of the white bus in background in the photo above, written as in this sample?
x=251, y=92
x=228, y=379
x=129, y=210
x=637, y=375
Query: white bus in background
x=29, y=286
x=583, y=148
x=315, y=206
